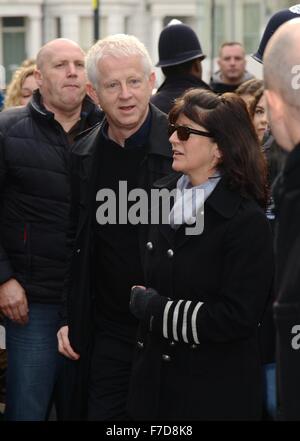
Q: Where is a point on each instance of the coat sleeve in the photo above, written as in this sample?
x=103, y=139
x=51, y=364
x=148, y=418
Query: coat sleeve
x=246, y=284
x=6, y=270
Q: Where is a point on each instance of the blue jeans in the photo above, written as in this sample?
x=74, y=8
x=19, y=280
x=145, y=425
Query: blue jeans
x=269, y=373
x=34, y=364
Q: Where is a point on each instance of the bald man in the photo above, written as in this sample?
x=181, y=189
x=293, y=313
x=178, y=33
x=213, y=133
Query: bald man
x=282, y=82
x=35, y=144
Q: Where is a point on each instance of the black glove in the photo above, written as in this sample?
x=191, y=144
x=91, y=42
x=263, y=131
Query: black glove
x=139, y=300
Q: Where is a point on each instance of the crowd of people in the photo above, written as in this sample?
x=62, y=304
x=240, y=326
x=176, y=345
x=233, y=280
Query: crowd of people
x=149, y=243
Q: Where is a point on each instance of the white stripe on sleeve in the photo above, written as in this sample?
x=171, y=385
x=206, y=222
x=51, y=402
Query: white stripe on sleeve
x=165, y=318
x=175, y=320
x=184, y=321
x=194, y=318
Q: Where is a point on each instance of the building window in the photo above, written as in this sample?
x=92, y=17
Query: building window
x=13, y=44
x=58, y=27
x=219, y=31
x=13, y=22
x=251, y=26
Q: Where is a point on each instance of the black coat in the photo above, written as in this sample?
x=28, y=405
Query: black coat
x=172, y=88
x=229, y=267
x=79, y=287
x=287, y=305
x=35, y=197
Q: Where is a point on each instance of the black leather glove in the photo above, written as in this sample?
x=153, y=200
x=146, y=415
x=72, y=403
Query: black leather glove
x=139, y=300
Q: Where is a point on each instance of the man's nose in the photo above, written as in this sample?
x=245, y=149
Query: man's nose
x=72, y=71
x=125, y=91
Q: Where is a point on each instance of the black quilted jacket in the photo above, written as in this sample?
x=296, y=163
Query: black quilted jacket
x=34, y=197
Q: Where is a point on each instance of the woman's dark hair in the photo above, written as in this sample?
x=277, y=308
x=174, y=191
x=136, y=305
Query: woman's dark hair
x=243, y=164
x=249, y=87
x=256, y=97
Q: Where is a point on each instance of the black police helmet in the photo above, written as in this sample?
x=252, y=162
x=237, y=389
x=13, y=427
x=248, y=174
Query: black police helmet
x=177, y=44
x=275, y=21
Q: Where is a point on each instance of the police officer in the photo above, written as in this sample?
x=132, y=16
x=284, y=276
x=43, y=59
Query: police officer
x=180, y=56
x=273, y=24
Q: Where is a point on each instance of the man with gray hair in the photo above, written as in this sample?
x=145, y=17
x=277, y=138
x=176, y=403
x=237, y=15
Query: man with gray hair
x=129, y=150
x=282, y=83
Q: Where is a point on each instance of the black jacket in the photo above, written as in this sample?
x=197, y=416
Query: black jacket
x=205, y=365
x=287, y=305
x=35, y=193
x=79, y=293
x=172, y=88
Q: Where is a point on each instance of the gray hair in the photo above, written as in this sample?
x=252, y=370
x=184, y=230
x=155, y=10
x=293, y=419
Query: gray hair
x=281, y=57
x=118, y=45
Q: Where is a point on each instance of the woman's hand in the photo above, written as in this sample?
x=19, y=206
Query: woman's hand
x=139, y=300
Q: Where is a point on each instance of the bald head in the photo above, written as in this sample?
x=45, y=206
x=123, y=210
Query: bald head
x=51, y=48
x=282, y=63
x=60, y=76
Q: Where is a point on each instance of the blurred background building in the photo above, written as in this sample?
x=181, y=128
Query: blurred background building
x=25, y=25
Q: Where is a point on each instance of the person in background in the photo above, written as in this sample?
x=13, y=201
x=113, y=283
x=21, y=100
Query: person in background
x=275, y=21
x=247, y=90
x=180, y=57
x=21, y=88
x=197, y=354
x=35, y=144
x=1, y=100
x=276, y=154
x=258, y=113
x=282, y=95
x=232, y=68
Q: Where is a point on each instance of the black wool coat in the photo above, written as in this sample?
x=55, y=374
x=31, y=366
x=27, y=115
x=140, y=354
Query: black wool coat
x=79, y=294
x=287, y=304
x=197, y=355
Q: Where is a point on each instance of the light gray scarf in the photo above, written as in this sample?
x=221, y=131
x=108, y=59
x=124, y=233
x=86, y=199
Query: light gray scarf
x=189, y=200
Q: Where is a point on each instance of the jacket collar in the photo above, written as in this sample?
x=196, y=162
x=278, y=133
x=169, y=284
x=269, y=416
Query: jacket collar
x=223, y=200
x=89, y=111
x=88, y=140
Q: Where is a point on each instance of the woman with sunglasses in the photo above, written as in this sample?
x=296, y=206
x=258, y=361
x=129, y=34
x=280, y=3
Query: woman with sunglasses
x=197, y=355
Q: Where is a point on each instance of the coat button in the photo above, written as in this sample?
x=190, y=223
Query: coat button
x=140, y=344
x=172, y=343
x=170, y=253
x=193, y=346
x=149, y=246
x=166, y=357
x=78, y=251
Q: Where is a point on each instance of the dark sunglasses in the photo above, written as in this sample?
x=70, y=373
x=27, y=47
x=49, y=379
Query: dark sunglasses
x=183, y=132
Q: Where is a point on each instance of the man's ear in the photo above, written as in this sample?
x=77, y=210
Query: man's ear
x=37, y=76
x=152, y=79
x=274, y=104
x=92, y=93
x=196, y=68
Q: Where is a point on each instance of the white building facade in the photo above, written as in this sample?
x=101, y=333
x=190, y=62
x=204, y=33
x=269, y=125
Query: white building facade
x=25, y=25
